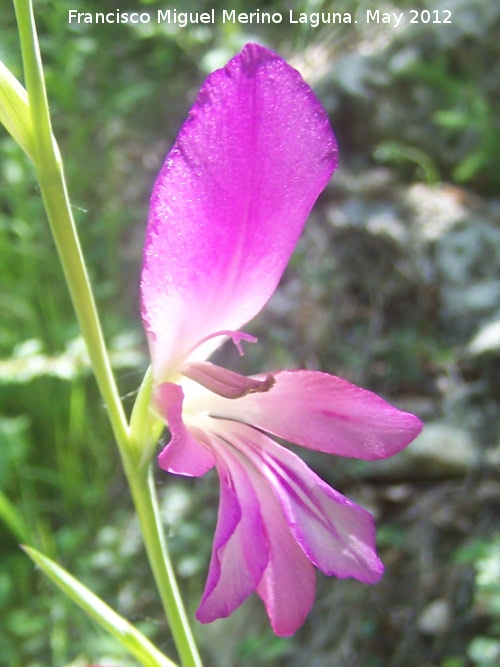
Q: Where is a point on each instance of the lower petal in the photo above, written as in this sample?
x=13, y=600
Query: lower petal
x=239, y=553
x=287, y=587
x=334, y=533
x=184, y=454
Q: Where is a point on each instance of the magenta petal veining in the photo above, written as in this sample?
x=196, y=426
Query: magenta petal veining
x=249, y=162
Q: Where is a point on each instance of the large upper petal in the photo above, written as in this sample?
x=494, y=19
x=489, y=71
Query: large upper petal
x=230, y=202
x=322, y=412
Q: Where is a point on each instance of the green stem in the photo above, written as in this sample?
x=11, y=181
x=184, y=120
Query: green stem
x=145, y=432
x=54, y=193
x=55, y=197
x=146, y=504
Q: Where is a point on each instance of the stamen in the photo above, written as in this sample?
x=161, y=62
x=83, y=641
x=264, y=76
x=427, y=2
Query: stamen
x=224, y=382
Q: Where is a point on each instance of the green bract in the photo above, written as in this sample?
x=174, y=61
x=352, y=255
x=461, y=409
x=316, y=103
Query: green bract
x=14, y=110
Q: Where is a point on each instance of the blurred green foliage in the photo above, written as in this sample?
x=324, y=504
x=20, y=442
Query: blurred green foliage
x=484, y=649
x=424, y=100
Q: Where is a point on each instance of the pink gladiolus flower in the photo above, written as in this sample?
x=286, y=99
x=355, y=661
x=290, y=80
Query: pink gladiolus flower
x=226, y=211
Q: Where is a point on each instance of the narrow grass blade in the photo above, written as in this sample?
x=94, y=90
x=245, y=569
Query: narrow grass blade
x=131, y=639
x=12, y=518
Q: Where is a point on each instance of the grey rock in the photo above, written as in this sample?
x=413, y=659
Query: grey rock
x=435, y=618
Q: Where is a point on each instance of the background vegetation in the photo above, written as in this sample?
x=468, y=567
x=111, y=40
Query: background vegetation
x=395, y=285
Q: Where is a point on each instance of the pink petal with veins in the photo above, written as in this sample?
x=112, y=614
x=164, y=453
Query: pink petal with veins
x=334, y=533
x=325, y=413
x=240, y=552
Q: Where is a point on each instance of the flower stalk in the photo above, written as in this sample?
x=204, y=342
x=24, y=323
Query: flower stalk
x=53, y=188
x=146, y=505
x=45, y=153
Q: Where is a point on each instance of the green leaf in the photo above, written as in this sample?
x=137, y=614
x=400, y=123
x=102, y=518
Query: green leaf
x=11, y=516
x=129, y=637
x=14, y=110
